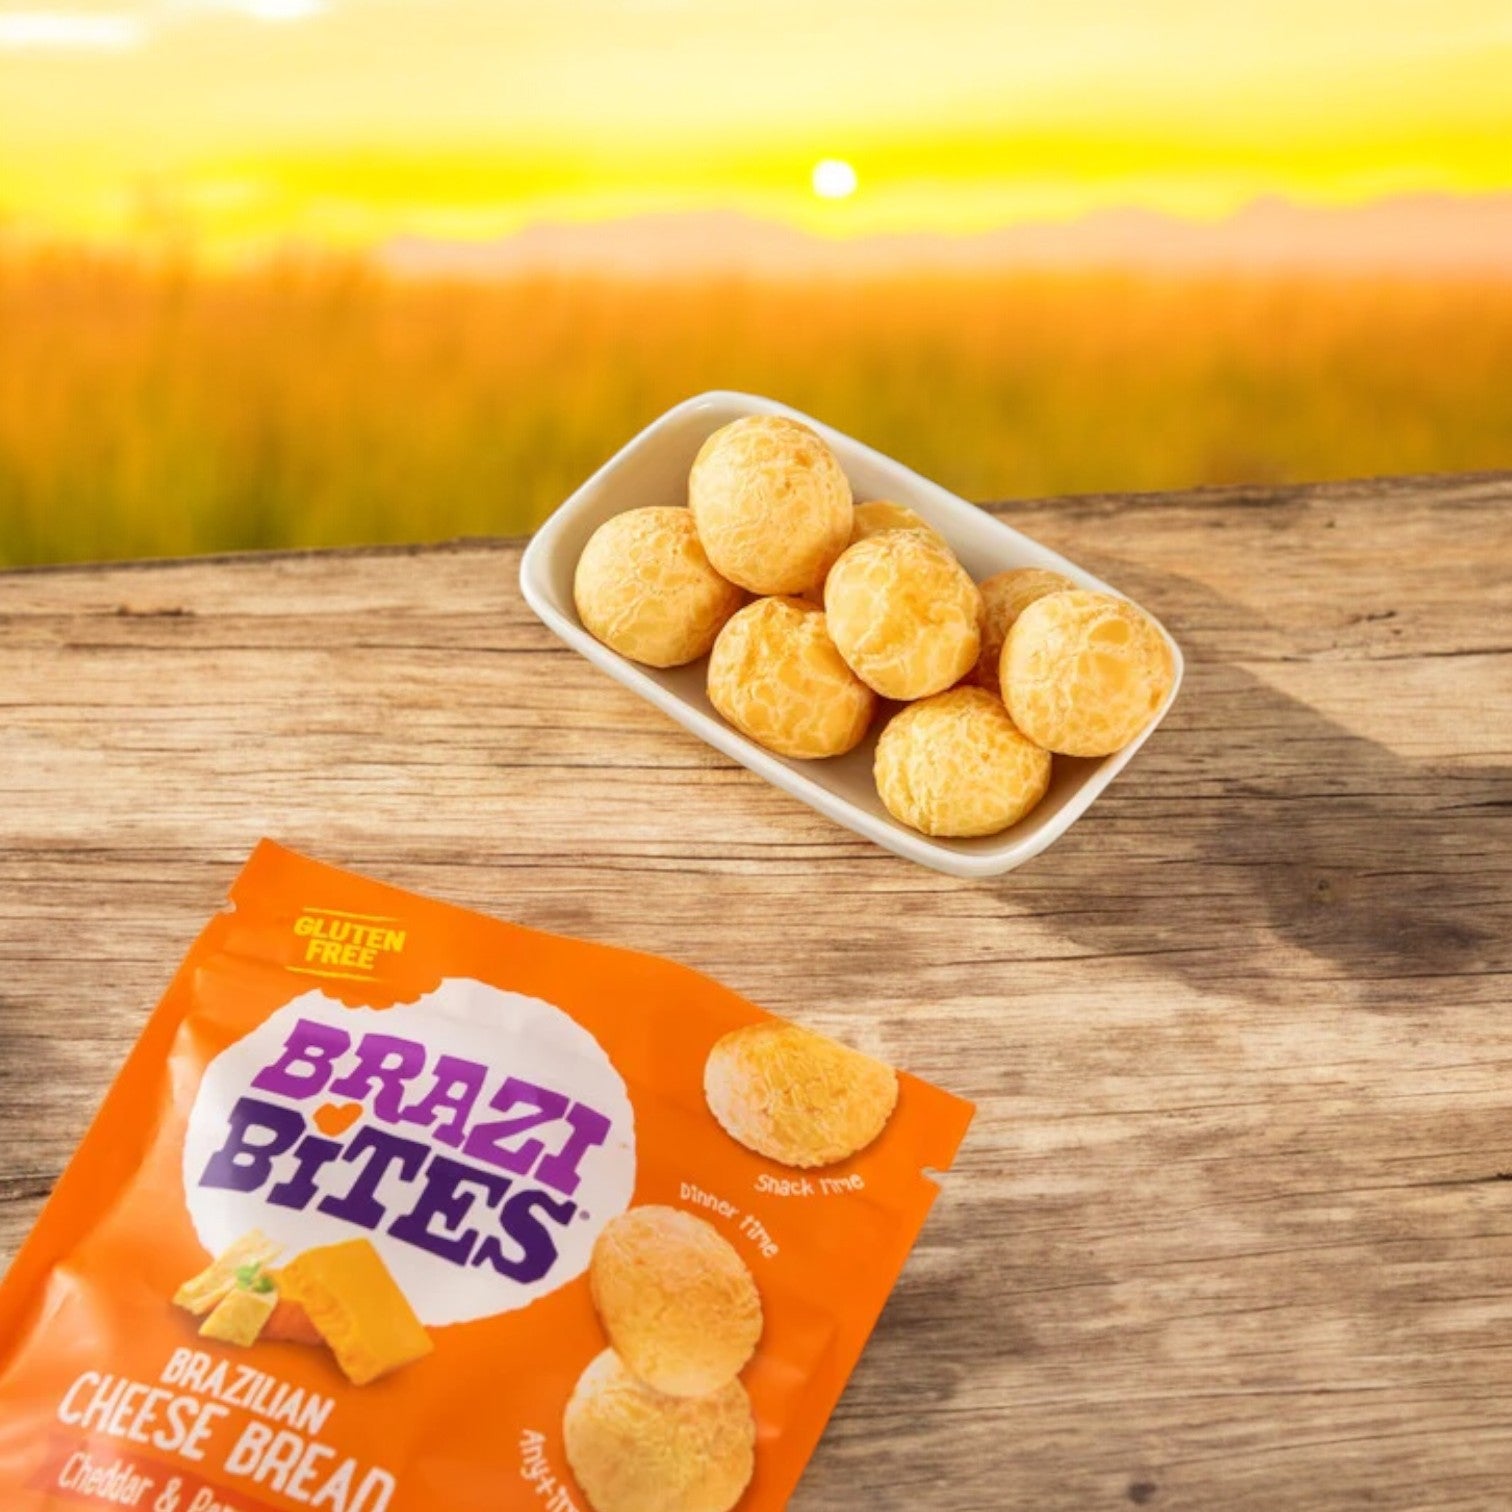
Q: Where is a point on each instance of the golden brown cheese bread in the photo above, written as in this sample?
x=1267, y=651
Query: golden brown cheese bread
x=1083, y=673
x=633, y=1449
x=797, y=1097
x=772, y=505
x=1005, y=596
x=881, y=514
x=955, y=765
x=676, y=1299
x=776, y=675
x=904, y=614
x=644, y=587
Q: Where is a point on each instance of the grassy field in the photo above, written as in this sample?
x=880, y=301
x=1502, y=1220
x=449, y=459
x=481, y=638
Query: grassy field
x=160, y=410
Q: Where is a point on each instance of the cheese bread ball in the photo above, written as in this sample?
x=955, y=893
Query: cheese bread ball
x=645, y=588
x=955, y=765
x=904, y=613
x=776, y=676
x=633, y=1449
x=676, y=1299
x=1083, y=673
x=796, y=1097
x=1005, y=596
x=872, y=519
x=772, y=505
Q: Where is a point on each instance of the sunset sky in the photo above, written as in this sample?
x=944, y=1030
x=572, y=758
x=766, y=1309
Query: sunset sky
x=352, y=121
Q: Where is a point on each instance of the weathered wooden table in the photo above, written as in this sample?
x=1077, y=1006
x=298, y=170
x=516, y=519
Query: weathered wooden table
x=1234, y=1227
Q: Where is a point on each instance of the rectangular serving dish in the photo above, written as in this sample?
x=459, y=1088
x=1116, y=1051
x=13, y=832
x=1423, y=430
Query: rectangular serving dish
x=653, y=469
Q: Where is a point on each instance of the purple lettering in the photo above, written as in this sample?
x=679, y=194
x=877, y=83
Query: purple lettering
x=589, y=1130
x=456, y=1090
x=256, y=1134
x=486, y=1142
x=308, y=1059
x=361, y=1205
x=445, y=1198
x=313, y=1156
x=538, y=1248
x=387, y=1062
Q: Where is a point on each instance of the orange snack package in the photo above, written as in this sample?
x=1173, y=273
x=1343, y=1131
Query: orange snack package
x=397, y=1208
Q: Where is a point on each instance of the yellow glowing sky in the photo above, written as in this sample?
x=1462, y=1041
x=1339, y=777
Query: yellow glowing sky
x=349, y=121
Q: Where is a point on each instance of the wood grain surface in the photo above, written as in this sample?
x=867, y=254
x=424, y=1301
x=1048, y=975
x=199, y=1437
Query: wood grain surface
x=1233, y=1229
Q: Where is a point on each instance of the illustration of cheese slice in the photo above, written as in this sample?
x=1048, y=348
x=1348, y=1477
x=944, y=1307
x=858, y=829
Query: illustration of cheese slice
x=203, y=1293
x=239, y=1317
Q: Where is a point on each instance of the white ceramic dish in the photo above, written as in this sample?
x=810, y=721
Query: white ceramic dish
x=653, y=469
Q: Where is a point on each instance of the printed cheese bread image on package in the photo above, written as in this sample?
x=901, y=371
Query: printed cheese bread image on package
x=797, y=1097
x=676, y=1299
x=396, y=1208
x=633, y=1449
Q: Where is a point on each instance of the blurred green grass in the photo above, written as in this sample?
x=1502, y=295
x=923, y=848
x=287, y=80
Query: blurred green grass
x=151, y=409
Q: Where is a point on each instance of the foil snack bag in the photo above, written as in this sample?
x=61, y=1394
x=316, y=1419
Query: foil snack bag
x=396, y=1208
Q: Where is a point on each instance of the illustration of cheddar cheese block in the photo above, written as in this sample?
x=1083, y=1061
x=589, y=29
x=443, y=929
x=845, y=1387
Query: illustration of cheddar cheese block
x=357, y=1308
x=290, y=1324
x=203, y=1293
x=239, y=1317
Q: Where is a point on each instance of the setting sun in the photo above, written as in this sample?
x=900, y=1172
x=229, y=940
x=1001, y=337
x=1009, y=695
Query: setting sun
x=240, y=123
x=833, y=179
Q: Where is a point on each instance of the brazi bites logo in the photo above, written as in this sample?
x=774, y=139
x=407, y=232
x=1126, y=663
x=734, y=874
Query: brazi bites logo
x=478, y=1139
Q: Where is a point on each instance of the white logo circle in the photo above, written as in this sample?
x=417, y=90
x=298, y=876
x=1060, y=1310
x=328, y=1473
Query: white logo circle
x=479, y=1139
